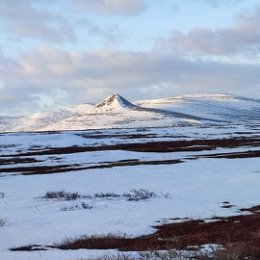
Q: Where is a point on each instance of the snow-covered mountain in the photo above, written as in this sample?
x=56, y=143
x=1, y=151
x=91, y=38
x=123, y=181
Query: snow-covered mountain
x=117, y=112
x=113, y=112
x=219, y=107
x=37, y=121
x=113, y=103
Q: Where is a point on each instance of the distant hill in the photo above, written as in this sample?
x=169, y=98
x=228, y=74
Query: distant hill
x=117, y=112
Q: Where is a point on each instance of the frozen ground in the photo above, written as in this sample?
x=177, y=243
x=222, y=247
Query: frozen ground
x=195, y=187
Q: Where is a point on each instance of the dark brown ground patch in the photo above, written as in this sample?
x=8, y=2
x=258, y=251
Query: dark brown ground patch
x=161, y=147
x=16, y=160
x=241, y=232
x=30, y=170
x=237, y=230
x=165, y=146
x=233, y=155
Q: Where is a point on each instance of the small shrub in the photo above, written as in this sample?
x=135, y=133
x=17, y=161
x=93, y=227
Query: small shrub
x=67, y=208
x=61, y=195
x=119, y=256
x=106, y=195
x=170, y=254
x=136, y=195
x=173, y=254
x=82, y=205
x=3, y=221
x=107, y=241
x=231, y=252
x=133, y=195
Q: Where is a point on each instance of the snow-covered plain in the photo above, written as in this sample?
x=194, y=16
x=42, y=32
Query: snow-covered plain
x=195, y=188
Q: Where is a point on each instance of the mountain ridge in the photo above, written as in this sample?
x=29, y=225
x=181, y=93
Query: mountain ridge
x=116, y=111
x=113, y=102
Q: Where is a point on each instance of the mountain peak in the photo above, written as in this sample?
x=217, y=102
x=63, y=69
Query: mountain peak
x=113, y=102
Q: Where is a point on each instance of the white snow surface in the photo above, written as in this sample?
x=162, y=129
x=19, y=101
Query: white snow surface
x=222, y=107
x=194, y=188
x=117, y=112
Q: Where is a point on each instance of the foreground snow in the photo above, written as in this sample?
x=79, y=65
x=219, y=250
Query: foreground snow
x=196, y=190
x=192, y=189
x=193, y=192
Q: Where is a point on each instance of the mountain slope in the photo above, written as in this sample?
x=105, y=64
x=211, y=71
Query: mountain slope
x=37, y=121
x=220, y=107
x=113, y=112
x=113, y=103
x=117, y=112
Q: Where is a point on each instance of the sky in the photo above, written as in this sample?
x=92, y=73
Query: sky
x=56, y=53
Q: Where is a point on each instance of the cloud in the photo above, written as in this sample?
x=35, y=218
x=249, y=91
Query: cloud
x=89, y=76
x=241, y=39
x=22, y=18
x=202, y=60
x=219, y=3
x=110, y=35
x=111, y=7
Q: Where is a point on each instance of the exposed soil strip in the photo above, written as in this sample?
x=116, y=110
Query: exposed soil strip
x=30, y=170
x=29, y=248
x=165, y=146
x=16, y=160
x=120, y=136
x=233, y=155
x=169, y=146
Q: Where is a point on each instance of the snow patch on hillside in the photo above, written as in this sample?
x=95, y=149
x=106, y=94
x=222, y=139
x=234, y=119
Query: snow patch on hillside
x=223, y=107
x=117, y=112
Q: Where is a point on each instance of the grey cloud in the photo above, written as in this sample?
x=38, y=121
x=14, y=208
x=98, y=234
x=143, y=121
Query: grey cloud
x=241, y=39
x=110, y=35
x=22, y=18
x=219, y=3
x=87, y=76
x=111, y=7
x=175, y=8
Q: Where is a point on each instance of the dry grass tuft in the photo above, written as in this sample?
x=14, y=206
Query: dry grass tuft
x=61, y=195
x=3, y=221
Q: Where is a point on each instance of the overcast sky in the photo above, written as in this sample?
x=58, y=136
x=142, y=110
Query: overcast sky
x=63, y=52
